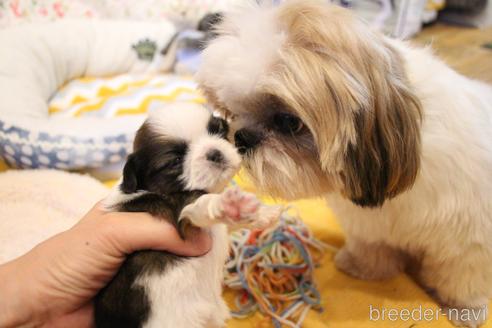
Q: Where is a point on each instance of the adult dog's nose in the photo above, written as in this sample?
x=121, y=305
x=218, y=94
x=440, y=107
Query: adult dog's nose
x=246, y=139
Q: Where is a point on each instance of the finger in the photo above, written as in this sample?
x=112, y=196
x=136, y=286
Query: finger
x=138, y=231
x=82, y=318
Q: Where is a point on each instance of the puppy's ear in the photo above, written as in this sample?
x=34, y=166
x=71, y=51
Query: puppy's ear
x=384, y=159
x=129, y=184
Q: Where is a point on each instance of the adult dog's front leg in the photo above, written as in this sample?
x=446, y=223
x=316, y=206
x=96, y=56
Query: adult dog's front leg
x=369, y=261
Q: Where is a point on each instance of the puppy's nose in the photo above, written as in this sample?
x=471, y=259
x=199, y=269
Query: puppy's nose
x=246, y=139
x=215, y=156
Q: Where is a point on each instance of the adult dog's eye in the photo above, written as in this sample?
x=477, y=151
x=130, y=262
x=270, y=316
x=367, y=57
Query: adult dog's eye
x=287, y=123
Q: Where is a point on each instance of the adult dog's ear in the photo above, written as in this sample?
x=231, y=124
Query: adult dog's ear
x=351, y=90
x=129, y=184
x=385, y=158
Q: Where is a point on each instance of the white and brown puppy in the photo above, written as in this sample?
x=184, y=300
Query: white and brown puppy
x=180, y=161
x=398, y=143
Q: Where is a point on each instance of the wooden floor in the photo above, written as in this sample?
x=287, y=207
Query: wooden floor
x=462, y=48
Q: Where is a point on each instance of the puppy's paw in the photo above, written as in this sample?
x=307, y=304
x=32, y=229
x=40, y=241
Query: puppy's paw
x=238, y=205
x=471, y=317
x=243, y=209
x=267, y=216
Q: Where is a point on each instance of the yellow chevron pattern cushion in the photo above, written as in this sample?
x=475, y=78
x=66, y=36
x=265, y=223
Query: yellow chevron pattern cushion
x=121, y=95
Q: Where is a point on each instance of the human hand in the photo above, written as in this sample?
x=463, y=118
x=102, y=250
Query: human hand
x=54, y=283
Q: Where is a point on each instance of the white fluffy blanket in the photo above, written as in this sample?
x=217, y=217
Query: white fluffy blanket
x=36, y=204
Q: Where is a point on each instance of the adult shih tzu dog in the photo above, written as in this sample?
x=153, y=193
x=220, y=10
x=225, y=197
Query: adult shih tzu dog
x=180, y=165
x=398, y=143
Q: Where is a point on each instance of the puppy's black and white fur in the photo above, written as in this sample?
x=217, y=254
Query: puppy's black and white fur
x=180, y=159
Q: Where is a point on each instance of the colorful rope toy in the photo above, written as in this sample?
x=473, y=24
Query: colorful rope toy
x=272, y=270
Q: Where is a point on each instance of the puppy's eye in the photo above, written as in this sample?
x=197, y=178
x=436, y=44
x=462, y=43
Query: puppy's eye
x=175, y=162
x=287, y=123
x=170, y=165
x=218, y=126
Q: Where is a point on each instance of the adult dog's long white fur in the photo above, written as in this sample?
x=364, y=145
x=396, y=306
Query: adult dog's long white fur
x=398, y=143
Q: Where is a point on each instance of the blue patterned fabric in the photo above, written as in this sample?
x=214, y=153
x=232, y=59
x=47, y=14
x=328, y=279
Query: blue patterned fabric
x=22, y=148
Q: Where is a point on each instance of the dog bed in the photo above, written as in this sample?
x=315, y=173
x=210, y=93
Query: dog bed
x=42, y=58
x=37, y=204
